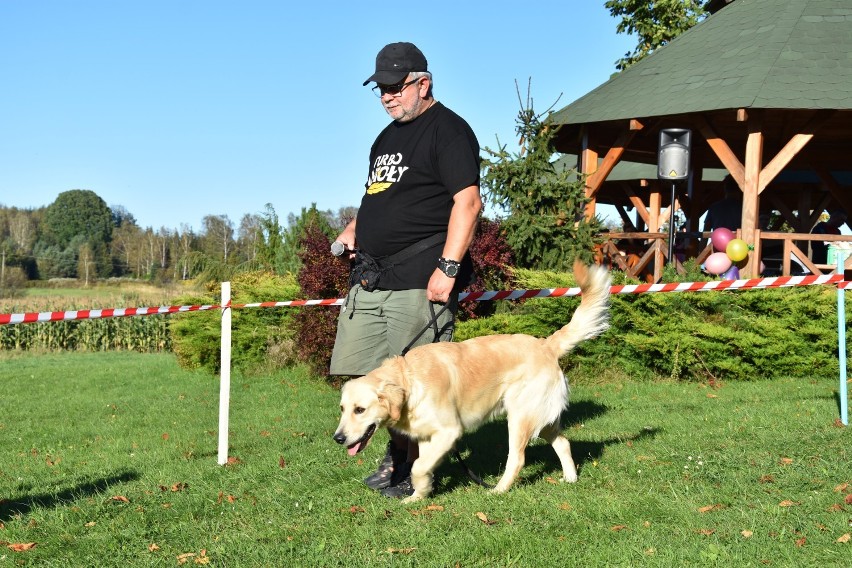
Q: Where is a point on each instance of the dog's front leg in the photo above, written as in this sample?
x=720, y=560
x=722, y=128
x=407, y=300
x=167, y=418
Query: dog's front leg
x=431, y=454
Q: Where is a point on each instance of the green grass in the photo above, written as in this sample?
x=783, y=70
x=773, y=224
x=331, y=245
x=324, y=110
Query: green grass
x=105, y=455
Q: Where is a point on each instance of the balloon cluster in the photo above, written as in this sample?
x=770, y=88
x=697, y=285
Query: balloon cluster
x=729, y=256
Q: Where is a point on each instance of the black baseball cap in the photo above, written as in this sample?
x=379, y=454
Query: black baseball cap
x=395, y=61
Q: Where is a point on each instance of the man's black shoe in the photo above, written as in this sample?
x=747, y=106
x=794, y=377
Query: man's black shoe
x=383, y=476
x=401, y=485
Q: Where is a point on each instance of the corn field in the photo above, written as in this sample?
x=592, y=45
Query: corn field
x=144, y=334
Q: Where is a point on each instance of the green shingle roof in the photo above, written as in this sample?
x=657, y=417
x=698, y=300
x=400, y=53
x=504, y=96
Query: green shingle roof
x=774, y=54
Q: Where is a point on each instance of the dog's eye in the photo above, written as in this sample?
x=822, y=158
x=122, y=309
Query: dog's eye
x=359, y=410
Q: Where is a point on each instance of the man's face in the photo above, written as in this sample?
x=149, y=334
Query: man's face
x=404, y=102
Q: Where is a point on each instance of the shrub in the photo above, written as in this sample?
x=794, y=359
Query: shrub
x=492, y=261
x=724, y=335
x=261, y=338
x=321, y=276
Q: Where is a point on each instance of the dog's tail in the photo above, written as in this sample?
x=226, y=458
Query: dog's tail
x=592, y=317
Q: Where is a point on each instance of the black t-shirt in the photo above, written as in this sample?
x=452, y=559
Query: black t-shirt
x=415, y=170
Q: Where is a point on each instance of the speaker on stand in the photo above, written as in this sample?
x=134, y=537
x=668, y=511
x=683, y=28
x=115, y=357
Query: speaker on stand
x=673, y=165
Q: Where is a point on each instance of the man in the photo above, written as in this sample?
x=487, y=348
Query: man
x=726, y=212
x=416, y=221
x=819, y=249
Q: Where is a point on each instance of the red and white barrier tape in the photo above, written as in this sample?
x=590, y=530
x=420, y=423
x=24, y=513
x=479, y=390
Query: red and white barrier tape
x=746, y=284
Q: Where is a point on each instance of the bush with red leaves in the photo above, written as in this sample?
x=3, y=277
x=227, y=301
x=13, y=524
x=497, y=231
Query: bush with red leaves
x=324, y=276
x=321, y=276
x=492, y=263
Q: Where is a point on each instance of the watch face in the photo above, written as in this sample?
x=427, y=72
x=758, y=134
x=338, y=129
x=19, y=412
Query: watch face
x=451, y=270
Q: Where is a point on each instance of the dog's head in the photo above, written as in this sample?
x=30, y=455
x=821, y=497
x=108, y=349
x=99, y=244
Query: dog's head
x=368, y=403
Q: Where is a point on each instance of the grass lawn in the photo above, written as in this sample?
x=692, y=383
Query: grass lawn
x=109, y=459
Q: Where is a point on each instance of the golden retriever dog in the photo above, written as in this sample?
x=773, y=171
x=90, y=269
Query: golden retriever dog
x=437, y=392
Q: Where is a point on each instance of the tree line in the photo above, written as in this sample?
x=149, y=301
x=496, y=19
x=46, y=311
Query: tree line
x=79, y=236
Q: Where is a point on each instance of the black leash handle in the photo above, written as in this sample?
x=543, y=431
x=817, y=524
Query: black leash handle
x=433, y=323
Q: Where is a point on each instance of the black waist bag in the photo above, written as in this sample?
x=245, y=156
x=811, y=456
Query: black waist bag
x=367, y=271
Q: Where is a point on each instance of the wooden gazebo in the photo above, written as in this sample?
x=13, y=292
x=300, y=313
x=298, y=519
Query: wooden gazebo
x=766, y=88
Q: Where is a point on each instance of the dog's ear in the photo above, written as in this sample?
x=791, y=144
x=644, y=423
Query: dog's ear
x=392, y=394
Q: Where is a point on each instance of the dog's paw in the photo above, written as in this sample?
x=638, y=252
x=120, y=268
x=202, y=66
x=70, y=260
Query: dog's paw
x=413, y=498
x=570, y=476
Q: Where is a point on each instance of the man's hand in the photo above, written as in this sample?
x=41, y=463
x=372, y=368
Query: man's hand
x=440, y=287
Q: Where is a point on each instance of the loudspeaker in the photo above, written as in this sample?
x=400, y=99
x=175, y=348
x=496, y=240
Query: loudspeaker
x=673, y=154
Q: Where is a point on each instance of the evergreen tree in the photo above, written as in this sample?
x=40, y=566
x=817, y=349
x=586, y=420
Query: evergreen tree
x=543, y=209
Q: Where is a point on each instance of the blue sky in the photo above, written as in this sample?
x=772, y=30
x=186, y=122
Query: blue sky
x=180, y=109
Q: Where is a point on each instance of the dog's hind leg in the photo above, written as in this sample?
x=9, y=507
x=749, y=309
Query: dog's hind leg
x=562, y=447
x=520, y=432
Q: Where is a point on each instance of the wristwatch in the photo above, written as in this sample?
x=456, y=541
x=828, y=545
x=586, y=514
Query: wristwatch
x=449, y=267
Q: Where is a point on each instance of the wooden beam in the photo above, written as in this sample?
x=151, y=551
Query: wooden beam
x=721, y=149
x=837, y=191
x=791, y=149
x=595, y=181
x=641, y=210
x=588, y=166
x=753, y=166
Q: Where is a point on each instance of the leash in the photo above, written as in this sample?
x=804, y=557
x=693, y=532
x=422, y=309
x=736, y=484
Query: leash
x=433, y=323
x=470, y=473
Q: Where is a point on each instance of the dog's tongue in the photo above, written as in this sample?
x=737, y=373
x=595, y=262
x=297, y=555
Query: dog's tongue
x=354, y=448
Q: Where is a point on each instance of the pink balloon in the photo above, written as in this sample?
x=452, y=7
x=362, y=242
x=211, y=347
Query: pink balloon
x=717, y=263
x=720, y=238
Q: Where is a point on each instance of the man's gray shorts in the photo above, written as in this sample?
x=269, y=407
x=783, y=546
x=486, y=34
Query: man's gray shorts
x=376, y=325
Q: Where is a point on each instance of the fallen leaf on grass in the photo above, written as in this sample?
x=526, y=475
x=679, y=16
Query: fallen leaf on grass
x=551, y=480
x=786, y=461
x=484, y=518
x=767, y=479
x=706, y=532
x=801, y=542
x=90, y=524
x=837, y=507
x=120, y=498
x=848, y=499
x=564, y=506
x=234, y=461
x=200, y=558
x=841, y=488
x=165, y=436
x=711, y=395
x=281, y=463
x=788, y=503
x=20, y=546
x=265, y=433
x=175, y=487
x=616, y=528
x=222, y=497
x=434, y=508
x=356, y=509
x=408, y=550
x=708, y=508
x=746, y=533
x=845, y=538
x=153, y=547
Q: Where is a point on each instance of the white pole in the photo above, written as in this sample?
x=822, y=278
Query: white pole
x=225, y=374
x=841, y=341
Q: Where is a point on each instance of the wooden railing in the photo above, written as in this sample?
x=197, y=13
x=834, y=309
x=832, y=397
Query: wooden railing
x=643, y=255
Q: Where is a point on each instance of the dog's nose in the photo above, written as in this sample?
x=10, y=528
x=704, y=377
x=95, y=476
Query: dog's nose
x=339, y=437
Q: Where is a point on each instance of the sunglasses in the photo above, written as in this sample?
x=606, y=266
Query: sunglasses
x=393, y=90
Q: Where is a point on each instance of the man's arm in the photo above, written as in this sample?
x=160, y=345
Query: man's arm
x=463, y=217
